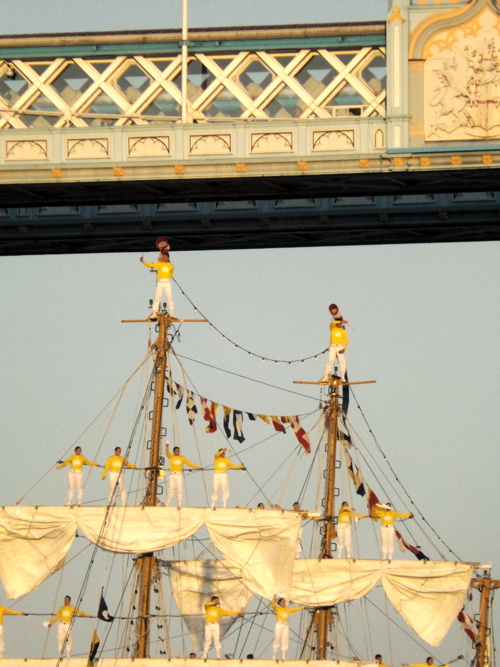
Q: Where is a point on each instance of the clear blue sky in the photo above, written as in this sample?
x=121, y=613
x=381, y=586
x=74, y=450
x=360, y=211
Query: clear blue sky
x=426, y=321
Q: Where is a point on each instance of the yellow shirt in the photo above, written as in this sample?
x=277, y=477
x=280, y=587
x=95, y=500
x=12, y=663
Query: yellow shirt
x=177, y=462
x=76, y=462
x=345, y=515
x=115, y=464
x=338, y=336
x=164, y=270
x=221, y=464
x=282, y=613
x=389, y=516
x=213, y=612
x=66, y=613
x=5, y=610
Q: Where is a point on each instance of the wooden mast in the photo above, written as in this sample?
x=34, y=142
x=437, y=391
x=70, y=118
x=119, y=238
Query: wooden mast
x=323, y=618
x=147, y=563
x=323, y=614
x=485, y=585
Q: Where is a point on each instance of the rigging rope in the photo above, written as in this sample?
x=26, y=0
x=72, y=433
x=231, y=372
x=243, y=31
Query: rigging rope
x=244, y=349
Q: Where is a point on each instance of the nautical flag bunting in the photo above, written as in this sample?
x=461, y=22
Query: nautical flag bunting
x=356, y=476
x=180, y=393
x=238, y=426
x=468, y=626
x=403, y=545
x=225, y=423
x=191, y=408
x=102, y=612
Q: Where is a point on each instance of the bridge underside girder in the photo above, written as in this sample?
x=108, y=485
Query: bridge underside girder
x=300, y=211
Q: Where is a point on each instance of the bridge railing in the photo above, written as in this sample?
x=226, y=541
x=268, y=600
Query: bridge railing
x=84, y=91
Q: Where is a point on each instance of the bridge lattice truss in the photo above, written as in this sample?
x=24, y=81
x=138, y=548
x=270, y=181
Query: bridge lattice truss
x=123, y=90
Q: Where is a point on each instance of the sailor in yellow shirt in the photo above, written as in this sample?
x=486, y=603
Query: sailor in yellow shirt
x=76, y=463
x=164, y=271
x=65, y=615
x=339, y=340
x=221, y=464
x=344, y=538
x=387, y=517
x=281, y=629
x=213, y=614
x=175, y=481
x=378, y=660
x=428, y=663
x=6, y=610
x=114, y=465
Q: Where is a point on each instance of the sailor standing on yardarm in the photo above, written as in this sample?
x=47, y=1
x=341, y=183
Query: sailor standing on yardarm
x=221, y=464
x=114, y=465
x=175, y=481
x=76, y=463
x=65, y=616
x=281, y=629
x=213, y=614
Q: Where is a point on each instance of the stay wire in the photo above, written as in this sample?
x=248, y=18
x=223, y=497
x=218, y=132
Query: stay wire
x=254, y=354
x=399, y=481
x=245, y=377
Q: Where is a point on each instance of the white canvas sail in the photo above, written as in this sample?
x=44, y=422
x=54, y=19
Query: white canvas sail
x=35, y=540
x=195, y=582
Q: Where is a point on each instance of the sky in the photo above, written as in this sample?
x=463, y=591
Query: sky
x=425, y=319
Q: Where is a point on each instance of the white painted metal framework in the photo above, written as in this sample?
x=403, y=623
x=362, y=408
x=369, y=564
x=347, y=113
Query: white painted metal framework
x=141, y=90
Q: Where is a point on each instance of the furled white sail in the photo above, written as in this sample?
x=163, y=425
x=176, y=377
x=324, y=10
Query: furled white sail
x=428, y=595
x=34, y=540
x=194, y=582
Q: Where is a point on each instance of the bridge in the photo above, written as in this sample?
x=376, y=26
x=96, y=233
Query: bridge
x=357, y=133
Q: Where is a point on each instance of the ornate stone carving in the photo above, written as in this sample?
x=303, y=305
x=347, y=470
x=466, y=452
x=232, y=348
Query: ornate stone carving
x=26, y=149
x=462, y=81
x=87, y=149
x=210, y=144
x=158, y=146
x=272, y=142
x=333, y=140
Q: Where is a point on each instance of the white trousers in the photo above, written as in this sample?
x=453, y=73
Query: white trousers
x=220, y=482
x=116, y=483
x=164, y=285
x=75, y=482
x=2, y=646
x=344, y=539
x=334, y=353
x=387, y=541
x=281, y=634
x=175, y=484
x=63, y=631
x=212, y=636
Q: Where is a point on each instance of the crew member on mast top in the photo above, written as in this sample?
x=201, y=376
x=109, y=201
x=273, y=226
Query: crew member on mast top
x=346, y=513
x=65, y=616
x=387, y=517
x=114, y=465
x=76, y=463
x=164, y=270
x=339, y=340
x=6, y=610
x=221, y=464
x=213, y=613
x=175, y=482
x=281, y=629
